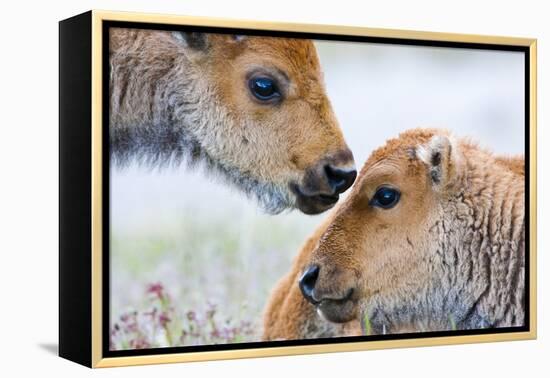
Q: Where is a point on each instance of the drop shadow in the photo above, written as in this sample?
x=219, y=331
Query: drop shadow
x=51, y=348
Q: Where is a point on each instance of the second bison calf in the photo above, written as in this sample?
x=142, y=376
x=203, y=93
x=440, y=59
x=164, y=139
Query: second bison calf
x=432, y=237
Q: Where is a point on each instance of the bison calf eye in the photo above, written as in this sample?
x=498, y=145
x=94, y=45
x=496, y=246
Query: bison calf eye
x=264, y=88
x=385, y=197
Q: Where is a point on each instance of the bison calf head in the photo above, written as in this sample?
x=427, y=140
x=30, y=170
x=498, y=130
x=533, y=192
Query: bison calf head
x=387, y=255
x=275, y=124
x=253, y=108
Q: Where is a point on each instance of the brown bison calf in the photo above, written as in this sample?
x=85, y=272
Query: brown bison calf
x=431, y=237
x=253, y=109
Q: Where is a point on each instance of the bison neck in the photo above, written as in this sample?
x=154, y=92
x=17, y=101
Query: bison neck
x=154, y=110
x=483, y=250
x=154, y=144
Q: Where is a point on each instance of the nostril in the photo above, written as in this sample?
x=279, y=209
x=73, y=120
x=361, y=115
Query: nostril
x=307, y=282
x=340, y=179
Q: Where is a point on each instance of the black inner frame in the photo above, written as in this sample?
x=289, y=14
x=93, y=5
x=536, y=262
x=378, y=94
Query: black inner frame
x=267, y=344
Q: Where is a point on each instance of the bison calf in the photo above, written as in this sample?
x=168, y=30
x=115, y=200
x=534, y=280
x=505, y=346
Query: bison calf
x=431, y=237
x=252, y=109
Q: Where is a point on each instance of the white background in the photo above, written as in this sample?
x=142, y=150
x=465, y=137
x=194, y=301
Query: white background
x=28, y=194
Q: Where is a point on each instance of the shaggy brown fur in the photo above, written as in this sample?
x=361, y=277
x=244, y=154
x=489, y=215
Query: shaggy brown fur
x=178, y=96
x=449, y=255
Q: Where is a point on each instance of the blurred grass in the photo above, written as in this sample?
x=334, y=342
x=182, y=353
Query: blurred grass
x=202, y=259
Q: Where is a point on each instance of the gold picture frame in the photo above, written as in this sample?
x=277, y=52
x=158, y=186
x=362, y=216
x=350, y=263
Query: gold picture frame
x=82, y=340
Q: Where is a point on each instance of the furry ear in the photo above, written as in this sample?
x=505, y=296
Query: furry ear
x=195, y=41
x=441, y=160
x=200, y=42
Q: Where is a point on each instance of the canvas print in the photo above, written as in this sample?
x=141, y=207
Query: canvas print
x=267, y=189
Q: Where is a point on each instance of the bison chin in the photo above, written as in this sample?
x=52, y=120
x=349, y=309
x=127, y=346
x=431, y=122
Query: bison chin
x=271, y=197
x=337, y=311
x=313, y=204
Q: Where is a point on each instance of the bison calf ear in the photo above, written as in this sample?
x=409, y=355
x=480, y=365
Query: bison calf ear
x=441, y=160
x=195, y=41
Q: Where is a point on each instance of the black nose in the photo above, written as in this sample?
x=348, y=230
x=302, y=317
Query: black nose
x=339, y=179
x=307, y=282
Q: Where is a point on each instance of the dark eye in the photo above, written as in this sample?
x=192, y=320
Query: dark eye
x=385, y=197
x=264, y=88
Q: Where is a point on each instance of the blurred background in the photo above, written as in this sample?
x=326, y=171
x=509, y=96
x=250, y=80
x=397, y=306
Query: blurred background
x=193, y=261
